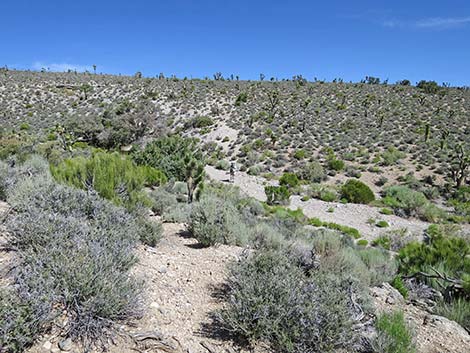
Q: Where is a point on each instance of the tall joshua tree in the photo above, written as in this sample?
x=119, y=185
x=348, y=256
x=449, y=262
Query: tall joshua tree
x=194, y=175
x=460, y=165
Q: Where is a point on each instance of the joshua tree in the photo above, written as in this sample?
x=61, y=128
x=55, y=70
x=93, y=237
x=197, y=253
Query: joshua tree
x=261, y=77
x=459, y=165
x=194, y=175
x=94, y=68
x=273, y=102
x=427, y=132
x=86, y=88
x=444, y=135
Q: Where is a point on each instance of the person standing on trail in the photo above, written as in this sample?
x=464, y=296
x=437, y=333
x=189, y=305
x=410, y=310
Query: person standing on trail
x=232, y=172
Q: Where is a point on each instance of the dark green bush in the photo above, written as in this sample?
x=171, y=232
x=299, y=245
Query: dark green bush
x=428, y=86
x=199, y=122
x=356, y=191
x=399, y=285
x=168, y=154
x=449, y=255
x=289, y=179
x=383, y=241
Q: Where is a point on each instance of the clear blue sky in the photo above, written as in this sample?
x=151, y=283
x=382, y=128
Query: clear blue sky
x=412, y=39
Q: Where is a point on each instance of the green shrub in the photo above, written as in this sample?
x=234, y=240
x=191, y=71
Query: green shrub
x=428, y=86
x=312, y=172
x=336, y=164
x=393, y=334
x=199, y=122
x=277, y=194
x=222, y=165
x=449, y=255
x=362, y=242
x=399, y=285
x=382, y=224
x=299, y=154
x=412, y=203
x=241, y=98
x=113, y=176
x=356, y=191
x=289, y=179
x=382, y=268
x=383, y=241
x=457, y=310
x=391, y=156
x=215, y=221
x=166, y=205
x=386, y=211
x=168, y=154
x=353, y=232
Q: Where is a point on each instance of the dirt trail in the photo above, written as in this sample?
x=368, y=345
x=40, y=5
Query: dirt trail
x=352, y=215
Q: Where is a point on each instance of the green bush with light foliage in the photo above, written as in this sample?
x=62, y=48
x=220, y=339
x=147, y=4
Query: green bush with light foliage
x=393, y=334
x=113, y=176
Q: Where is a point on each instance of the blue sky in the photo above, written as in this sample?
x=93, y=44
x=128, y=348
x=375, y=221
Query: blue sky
x=411, y=39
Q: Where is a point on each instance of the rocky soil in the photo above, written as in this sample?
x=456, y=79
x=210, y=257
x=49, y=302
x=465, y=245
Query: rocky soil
x=351, y=215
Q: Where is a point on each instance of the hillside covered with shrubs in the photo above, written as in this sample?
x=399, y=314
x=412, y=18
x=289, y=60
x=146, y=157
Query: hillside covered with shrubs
x=95, y=170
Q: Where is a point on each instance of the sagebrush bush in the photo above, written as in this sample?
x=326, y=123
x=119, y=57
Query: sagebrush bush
x=64, y=237
x=166, y=205
x=272, y=300
x=215, y=221
x=356, y=191
x=113, y=176
x=412, y=203
x=312, y=172
x=21, y=320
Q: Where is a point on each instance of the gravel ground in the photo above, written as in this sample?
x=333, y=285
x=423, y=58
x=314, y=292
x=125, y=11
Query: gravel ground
x=351, y=215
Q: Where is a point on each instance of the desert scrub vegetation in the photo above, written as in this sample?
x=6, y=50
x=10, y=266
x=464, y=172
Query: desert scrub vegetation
x=113, y=176
x=394, y=335
x=410, y=203
x=305, y=297
x=64, y=237
x=443, y=263
x=179, y=158
x=213, y=221
x=356, y=191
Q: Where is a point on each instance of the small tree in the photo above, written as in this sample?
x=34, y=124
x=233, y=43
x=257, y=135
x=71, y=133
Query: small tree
x=194, y=175
x=86, y=88
x=459, y=165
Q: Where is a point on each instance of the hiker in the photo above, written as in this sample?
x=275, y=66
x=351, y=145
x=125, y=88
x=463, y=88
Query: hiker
x=232, y=172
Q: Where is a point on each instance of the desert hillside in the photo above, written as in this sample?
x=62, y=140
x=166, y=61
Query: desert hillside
x=219, y=215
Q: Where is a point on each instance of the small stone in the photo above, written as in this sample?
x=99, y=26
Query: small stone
x=65, y=345
x=47, y=345
x=390, y=300
x=162, y=270
x=154, y=305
